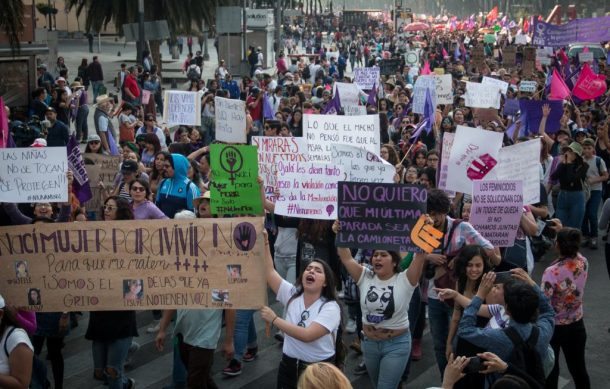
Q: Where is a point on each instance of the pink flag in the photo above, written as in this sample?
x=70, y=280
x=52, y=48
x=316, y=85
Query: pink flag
x=445, y=54
x=559, y=89
x=585, y=49
x=3, y=125
x=426, y=69
x=589, y=85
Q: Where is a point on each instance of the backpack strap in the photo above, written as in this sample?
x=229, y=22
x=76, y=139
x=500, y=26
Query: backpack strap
x=514, y=336
x=454, y=226
x=6, y=340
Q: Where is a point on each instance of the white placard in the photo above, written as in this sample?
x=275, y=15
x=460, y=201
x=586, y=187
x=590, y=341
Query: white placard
x=544, y=54
x=474, y=154
x=444, y=89
x=585, y=57
x=33, y=175
x=419, y=92
x=274, y=153
x=494, y=82
x=366, y=78
x=445, y=153
x=182, y=108
x=354, y=110
x=308, y=191
x=349, y=94
x=321, y=131
x=230, y=120
x=516, y=163
x=360, y=165
x=528, y=86
x=412, y=57
x=481, y=96
x=521, y=39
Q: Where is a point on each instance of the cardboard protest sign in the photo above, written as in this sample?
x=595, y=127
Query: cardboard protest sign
x=444, y=89
x=230, y=120
x=360, y=165
x=323, y=130
x=445, y=152
x=100, y=168
x=349, y=94
x=379, y=216
x=509, y=56
x=136, y=264
x=528, y=86
x=419, y=93
x=308, y=190
x=481, y=96
x=516, y=163
x=496, y=210
x=388, y=67
x=485, y=115
x=474, y=154
x=477, y=56
x=439, y=71
x=33, y=174
x=354, y=110
x=494, y=82
x=273, y=153
x=235, y=189
x=182, y=108
x=366, y=78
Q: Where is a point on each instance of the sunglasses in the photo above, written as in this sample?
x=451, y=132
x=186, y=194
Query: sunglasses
x=108, y=208
x=304, y=316
x=138, y=189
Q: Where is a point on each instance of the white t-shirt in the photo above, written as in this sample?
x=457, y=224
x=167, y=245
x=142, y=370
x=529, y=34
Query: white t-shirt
x=17, y=337
x=385, y=304
x=328, y=316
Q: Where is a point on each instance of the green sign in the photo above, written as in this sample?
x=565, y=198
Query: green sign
x=235, y=189
x=489, y=38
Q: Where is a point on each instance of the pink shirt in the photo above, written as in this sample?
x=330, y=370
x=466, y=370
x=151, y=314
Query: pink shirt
x=564, y=284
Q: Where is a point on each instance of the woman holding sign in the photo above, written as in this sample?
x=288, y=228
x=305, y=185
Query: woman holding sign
x=385, y=294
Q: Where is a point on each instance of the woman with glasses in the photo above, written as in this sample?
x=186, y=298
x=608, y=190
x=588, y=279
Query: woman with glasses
x=311, y=321
x=150, y=127
x=143, y=208
x=94, y=145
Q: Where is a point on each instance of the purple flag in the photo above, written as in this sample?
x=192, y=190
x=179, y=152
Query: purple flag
x=114, y=150
x=333, y=106
x=429, y=111
x=511, y=107
x=532, y=109
x=268, y=113
x=510, y=131
x=80, y=185
x=417, y=131
x=372, y=98
x=578, y=30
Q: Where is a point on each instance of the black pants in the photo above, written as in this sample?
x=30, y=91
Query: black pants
x=570, y=338
x=607, y=251
x=54, y=346
x=290, y=370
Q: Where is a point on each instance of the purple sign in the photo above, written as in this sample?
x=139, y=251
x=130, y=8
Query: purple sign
x=532, y=110
x=511, y=107
x=592, y=30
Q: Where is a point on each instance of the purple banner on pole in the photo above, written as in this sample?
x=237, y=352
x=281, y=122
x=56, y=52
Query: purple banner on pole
x=532, y=109
x=511, y=107
x=580, y=30
x=81, y=184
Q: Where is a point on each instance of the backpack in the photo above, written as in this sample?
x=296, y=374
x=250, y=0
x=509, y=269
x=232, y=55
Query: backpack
x=524, y=357
x=253, y=58
x=192, y=73
x=39, y=368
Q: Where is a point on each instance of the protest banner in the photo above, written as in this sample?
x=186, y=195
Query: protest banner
x=136, y=264
x=273, y=153
x=354, y=110
x=388, y=67
x=419, y=92
x=516, y=163
x=30, y=175
x=509, y=56
x=182, y=108
x=543, y=55
x=379, y=216
x=412, y=58
x=366, y=78
x=235, y=189
x=308, y=190
x=578, y=30
x=445, y=152
x=81, y=186
x=521, y=39
x=230, y=120
x=360, y=165
x=494, y=82
x=528, y=86
x=444, y=89
x=323, y=130
x=481, y=96
x=511, y=107
x=349, y=94
x=100, y=168
x=474, y=154
x=485, y=115
x=532, y=109
x=496, y=210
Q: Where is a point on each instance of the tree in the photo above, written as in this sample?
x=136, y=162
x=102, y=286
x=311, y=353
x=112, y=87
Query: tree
x=11, y=21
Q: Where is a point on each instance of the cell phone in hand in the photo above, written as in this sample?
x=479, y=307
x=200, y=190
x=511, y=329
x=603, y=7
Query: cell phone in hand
x=475, y=365
x=503, y=277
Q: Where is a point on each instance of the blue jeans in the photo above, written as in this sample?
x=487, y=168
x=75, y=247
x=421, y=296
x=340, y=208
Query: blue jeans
x=111, y=355
x=385, y=360
x=571, y=208
x=589, y=225
x=245, y=332
x=439, y=314
x=96, y=85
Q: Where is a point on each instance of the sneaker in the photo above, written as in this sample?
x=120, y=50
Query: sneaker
x=133, y=348
x=360, y=369
x=416, y=352
x=279, y=336
x=250, y=354
x=593, y=244
x=154, y=327
x=356, y=346
x=131, y=383
x=350, y=327
x=233, y=370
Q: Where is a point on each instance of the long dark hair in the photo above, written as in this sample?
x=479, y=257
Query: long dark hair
x=155, y=174
x=314, y=230
x=124, y=210
x=329, y=291
x=461, y=263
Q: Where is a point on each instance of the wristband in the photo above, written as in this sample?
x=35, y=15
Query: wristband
x=273, y=321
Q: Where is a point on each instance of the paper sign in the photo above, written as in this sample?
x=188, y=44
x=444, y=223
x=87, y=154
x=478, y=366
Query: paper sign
x=349, y=94
x=354, y=110
x=360, y=165
x=136, y=264
x=496, y=210
x=100, y=168
x=230, y=120
x=182, y=108
x=521, y=39
x=235, y=189
x=419, y=92
x=273, y=153
x=366, y=78
x=494, y=82
x=33, y=174
x=308, y=191
x=445, y=152
x=516, y=163
x=323, y=130
x=481, y=96
x=474, y=154
x=477, y=56
x=444, y=89
x=585, y=57
x=528, y=86
x=543, y=55
x=379, y=216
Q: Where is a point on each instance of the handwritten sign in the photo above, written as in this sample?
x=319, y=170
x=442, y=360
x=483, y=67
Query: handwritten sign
x=349, y=94
x=182, y=108
x=477, y=56
x=516, y=163
x=495, y=83
x=273, y=153
x=509, y=56
x=585, y=57
x=354, y=110
x=445, y=152
x=136, y=264
x=235, y=189
x=444, y=89
x=474, y=154
x=100, y=168
x=528, y=86
x=422, y=84
x=379, y=216
x=389, y=67
x=29, y=175
x=308, y=190
x=366, y=78
x=321, y=131
x=230, y=120
x=360, y=165
x=496, y=210
x=481, y=96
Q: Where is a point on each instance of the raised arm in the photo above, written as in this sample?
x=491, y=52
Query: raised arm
x=274, y=280
x=353, y=268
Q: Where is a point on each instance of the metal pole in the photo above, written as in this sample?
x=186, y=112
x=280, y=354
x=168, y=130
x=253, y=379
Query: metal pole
x=243, y=34
x=141, y=44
